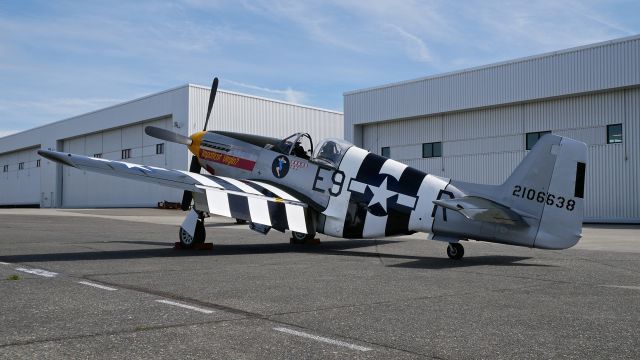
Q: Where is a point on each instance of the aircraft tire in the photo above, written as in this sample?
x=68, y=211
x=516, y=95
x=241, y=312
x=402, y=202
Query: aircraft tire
x=455, y=251
x=187, y=241
x=301, y=238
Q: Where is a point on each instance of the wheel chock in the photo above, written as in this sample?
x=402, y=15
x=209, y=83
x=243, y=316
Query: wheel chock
x=315, y=241
x=203, y=246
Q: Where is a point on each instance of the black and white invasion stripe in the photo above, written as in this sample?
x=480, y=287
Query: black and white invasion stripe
x=255, y=201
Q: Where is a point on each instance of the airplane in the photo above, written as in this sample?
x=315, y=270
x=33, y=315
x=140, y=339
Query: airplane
x=340, y=190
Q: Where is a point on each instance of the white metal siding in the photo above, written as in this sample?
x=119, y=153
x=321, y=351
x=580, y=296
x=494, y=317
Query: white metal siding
x=20, y=187
x=88, y=189
x=482, y=115
x=485, y=145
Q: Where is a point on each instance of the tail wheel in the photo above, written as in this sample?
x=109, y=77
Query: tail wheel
x=455, y=251
x=301, y=238
x=187, y=241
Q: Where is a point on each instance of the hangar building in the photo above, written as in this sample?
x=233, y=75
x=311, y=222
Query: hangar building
x=117, y=132
x=477, y=124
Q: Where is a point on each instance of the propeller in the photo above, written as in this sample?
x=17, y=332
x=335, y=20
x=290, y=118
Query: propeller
x=167, y=135
x=170, y=136
x=212, y=98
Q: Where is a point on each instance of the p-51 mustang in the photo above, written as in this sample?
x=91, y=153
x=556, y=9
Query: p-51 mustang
x=338, y=189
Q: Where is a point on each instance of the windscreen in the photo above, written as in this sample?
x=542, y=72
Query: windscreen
x=331, y=151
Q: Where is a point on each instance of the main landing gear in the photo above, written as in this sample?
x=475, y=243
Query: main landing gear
x=192, y=232
x=302, y=238
x=455, y=251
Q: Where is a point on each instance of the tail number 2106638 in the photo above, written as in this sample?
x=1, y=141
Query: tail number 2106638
x=543, y=197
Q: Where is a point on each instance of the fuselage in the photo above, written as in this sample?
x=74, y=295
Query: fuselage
x=344, y=191
x=354, y=193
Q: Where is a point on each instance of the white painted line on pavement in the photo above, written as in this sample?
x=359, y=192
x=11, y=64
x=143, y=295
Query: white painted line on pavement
x=39, y=272
x=322, y=339
x=623, y=287
x=4, y=263
x=205, y=311
x=97, y=285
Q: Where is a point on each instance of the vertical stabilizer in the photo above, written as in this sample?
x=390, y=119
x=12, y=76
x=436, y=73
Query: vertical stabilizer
x=549, y=185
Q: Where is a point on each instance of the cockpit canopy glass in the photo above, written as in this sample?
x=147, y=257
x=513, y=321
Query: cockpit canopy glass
x=331, y=151
x=298, y=144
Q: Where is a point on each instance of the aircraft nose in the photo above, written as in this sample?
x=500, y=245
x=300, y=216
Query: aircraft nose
x=196, y=139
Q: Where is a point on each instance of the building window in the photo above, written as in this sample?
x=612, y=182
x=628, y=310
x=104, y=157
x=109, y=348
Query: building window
x=5, y=168
x=614, y=134
x=20, y=166
x=533, y=137
x=126, y=153
x=433, y=149
x=38, y=163
x=97, y=156
x=385, y=151
x=159, y=149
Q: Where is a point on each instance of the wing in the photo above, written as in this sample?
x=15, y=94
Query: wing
x=481, y=209
x=253, y=201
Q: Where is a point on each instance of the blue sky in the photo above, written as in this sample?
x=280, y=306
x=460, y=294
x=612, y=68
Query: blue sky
x=63, y=58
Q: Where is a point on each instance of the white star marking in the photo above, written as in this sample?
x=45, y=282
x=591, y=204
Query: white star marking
x=381, y=194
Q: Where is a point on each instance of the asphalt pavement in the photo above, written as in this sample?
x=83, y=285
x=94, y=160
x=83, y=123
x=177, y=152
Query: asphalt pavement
x=107, y=283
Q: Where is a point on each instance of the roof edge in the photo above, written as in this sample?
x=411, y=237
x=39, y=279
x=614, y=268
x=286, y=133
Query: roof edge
x=267, y=99
x=98, y=110
x=496, y=64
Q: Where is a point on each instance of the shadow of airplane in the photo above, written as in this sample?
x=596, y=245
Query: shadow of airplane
x=337, y=248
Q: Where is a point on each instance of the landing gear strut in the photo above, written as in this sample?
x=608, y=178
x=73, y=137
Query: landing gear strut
x=455, y=251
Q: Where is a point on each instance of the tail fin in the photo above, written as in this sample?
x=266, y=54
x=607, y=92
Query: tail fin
x=549, y=185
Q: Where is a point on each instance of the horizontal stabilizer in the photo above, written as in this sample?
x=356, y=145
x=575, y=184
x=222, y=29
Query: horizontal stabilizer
x=481, y=209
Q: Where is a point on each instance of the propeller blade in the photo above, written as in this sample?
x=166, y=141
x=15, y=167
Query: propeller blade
x=187, y=196
x=212, y=98
x=167, y=135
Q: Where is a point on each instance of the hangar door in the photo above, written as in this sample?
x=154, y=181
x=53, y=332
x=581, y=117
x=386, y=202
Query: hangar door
x=20, y=177
x=130, y=144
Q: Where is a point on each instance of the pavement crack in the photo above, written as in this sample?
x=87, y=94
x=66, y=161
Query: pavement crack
x=109, y=333
x=172, y=296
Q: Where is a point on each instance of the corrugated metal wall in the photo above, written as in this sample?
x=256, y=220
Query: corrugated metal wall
x=88, y=189
x=248, y=114
x=22, y=185
x=109, y=131
x=485, y=145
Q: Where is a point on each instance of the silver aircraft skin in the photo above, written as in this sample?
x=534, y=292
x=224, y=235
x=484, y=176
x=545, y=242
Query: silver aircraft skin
x=340, y=190
x=344, y=191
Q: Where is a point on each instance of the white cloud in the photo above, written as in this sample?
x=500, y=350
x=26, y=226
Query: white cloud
x=28, y=114
x=413, y=45
x=80, y=55
x=62, y=105
x=421, y=28
x=288, y=94
x=319, y=20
